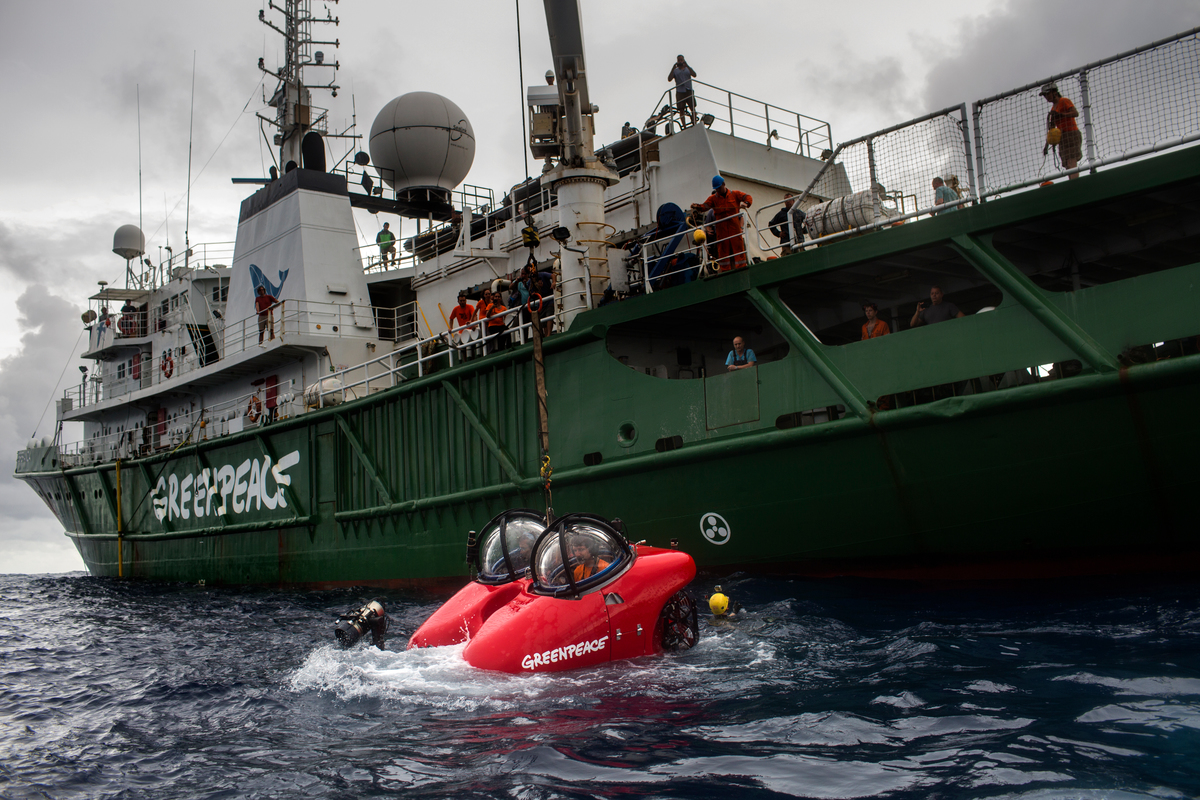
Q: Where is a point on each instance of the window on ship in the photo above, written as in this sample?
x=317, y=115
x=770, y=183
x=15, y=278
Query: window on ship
x=693, y=342
x=830, y=303
x=1107, y=242
x=1113, y=241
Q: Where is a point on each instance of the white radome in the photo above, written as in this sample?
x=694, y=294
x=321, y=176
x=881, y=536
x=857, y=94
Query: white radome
x=422, y=140
x=129, y=242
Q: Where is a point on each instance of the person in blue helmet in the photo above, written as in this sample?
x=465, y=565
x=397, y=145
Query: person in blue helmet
x=727, y=205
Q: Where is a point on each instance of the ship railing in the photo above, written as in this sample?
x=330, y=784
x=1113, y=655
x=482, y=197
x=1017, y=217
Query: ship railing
x=577, y=294
x=288, y=320
x=1129, y=106
x=373, y=259
x=111, y=326
x=360, y=181
x=894, y=209
x=747, y=118
x=175, y=265
x=652, y=271
x=422, y=357
x=237, y=414
x=260, y=407
x=887, y=177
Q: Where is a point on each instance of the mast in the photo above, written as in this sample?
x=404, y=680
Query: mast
x=579, y=179
x=295, y=114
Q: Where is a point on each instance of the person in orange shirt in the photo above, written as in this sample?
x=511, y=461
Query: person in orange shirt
x=587, y=560
x=873, y=327
x=1062, y=116
x=461, y=314
x=492, y=310
x=727, y=205
x=460, y=317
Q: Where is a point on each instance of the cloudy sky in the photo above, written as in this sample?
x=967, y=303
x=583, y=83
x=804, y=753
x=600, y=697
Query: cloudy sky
x=75, y=72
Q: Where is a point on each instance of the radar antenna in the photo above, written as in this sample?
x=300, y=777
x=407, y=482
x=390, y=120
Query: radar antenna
x=295, y=114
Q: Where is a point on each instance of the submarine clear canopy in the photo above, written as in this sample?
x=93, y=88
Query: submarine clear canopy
x=592, y=550
x=506, y=545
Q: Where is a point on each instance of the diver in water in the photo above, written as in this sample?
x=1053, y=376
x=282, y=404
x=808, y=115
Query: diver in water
x=721, y=606
x=371, y=617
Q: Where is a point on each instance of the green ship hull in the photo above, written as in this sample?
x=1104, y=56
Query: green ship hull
x=1086, y=473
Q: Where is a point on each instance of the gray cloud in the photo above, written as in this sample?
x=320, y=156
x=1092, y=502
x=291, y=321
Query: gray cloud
x=31, y=379
x=1030, y=39
x=862, y=89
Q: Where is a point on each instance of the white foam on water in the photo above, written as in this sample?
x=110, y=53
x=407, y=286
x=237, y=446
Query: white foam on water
x=438, y=675
x=1145, y=687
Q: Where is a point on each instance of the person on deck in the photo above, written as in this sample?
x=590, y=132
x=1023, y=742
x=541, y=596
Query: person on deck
x=584, y=554
x=943, y=194
x=685, y=101
x=939, y=310
x=492, y=310
x=874, y=327
x=264, y=304
x=127, y=325
x=1062, y=116
x=460, y=315
x=532, y=282
x=781, y=224
x=727, y=205
x=740, y=356
x=387, y=245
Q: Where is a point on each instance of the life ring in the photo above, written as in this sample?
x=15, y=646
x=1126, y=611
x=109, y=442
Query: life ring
x=168, y=366
x=254, y=408
x=529, y=305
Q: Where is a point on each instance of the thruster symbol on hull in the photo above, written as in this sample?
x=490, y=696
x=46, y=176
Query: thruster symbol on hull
x=714, y=528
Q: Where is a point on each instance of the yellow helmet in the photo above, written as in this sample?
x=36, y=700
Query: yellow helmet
x=1053, y=136
x=698, y=236
x=718, y=604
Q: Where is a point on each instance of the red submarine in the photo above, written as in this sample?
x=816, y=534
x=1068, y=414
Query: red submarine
x=570, y=595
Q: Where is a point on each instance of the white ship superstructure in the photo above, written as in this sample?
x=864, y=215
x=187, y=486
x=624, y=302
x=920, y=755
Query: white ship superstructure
x=178, y=352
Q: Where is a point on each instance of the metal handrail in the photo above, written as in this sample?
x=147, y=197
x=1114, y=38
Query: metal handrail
x=805, y=140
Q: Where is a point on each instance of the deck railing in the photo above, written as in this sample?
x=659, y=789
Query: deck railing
x=286, y=321
x=750, y=119
x=198, y=256
x=1130, y=106
x=1134, y=104
x=412, y=360
x=895, y=168
x=369, y=181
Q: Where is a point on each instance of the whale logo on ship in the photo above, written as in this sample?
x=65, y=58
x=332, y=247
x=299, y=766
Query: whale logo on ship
x=259, y=278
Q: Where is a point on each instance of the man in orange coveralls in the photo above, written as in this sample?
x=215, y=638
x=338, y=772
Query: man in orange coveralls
x=726, y=205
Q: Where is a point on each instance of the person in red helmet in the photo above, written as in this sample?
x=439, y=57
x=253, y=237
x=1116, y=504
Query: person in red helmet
x=727, y=205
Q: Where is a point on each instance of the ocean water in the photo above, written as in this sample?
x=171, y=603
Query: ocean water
x=822, y=689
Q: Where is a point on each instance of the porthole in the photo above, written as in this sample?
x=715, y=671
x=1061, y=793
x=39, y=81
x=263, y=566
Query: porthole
x=627, y=434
